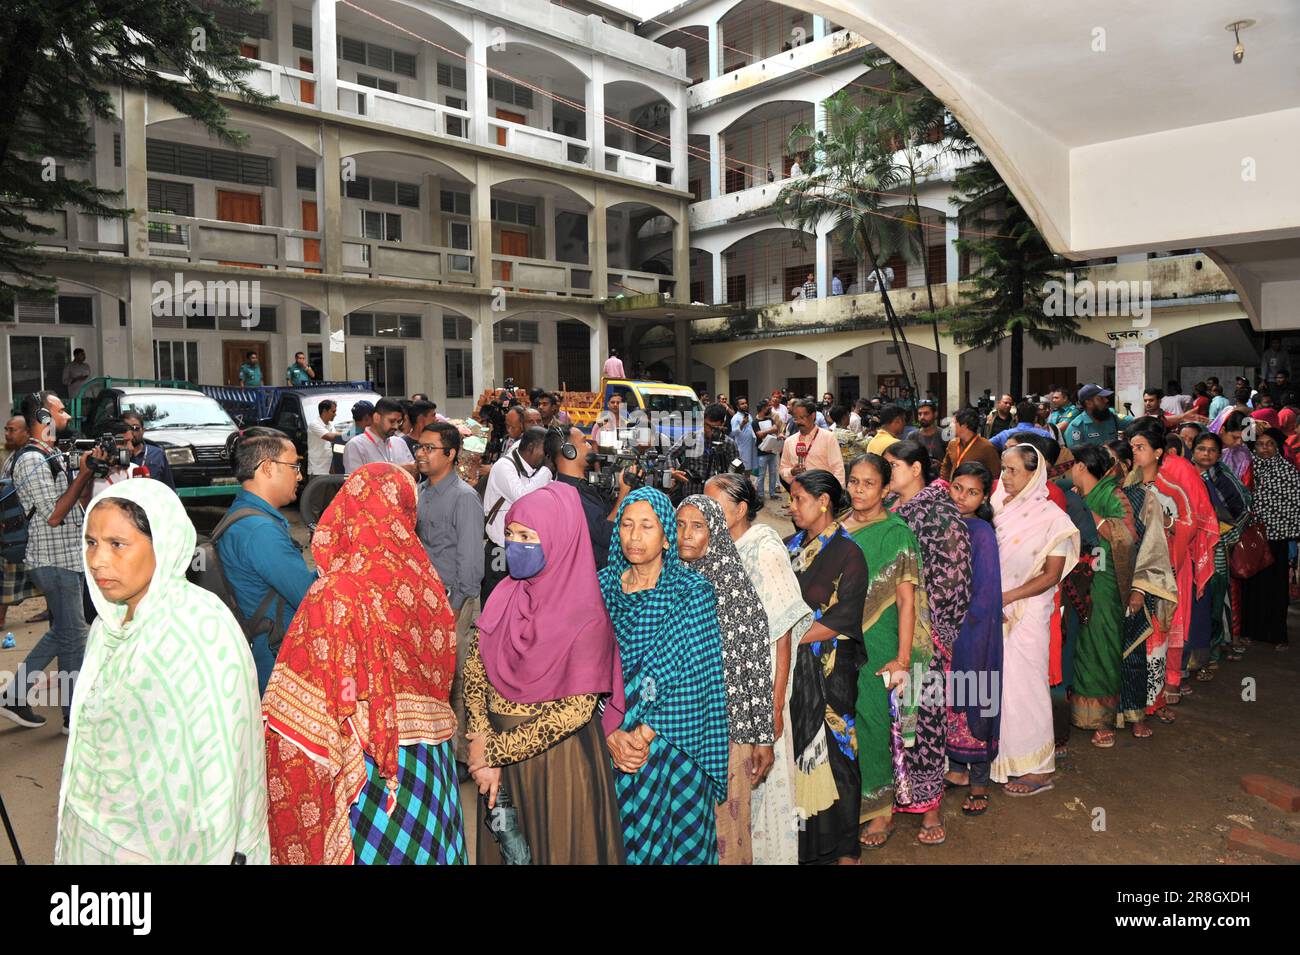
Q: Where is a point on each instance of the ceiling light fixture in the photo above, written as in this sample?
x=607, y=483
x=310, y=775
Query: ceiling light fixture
x=1239, y=51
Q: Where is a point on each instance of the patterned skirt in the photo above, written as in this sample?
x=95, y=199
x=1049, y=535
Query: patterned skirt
x=667, y=810
x=425, y=825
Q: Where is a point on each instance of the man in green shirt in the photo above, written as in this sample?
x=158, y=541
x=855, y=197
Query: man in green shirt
x=299, y=373
x=250, y=372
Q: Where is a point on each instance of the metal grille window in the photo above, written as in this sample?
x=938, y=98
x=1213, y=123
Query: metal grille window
x=503, y=91
x=384, y=325
x=523, y=332
x=460, y=376
x=174, y=199
x=242, y=22
x=520, y=213
x=307, y=178
x=376, y=56
x=456, y=203
x=457, y=328
x=176, y=360
x=452, y=77
x=310, y=319
x=302, y=36
x=76, y=310
x=117, y=149
x=375, y=83
x=199, y=162
x=406, y=194
x=456, y=124
x=385, y=226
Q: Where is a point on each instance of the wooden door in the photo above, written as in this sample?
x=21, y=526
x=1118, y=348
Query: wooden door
x=232, y=356
x=310, y=223
x=519, y=366
x=243, y=207
x=513, y=243
x=511, y=117
x=306, y=88
x=1043, y=380
x=249, y=49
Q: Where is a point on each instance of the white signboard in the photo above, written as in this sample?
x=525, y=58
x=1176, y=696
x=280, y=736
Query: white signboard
x=1130, y=376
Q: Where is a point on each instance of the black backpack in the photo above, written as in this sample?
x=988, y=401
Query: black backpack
x=13, y=518
x=207, y=572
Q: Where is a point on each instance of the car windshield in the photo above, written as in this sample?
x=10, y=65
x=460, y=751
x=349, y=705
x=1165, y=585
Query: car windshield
x=162, y=412
x=670, y=403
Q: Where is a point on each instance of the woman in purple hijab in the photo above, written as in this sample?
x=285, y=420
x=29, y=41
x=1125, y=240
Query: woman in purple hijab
x=541, y=657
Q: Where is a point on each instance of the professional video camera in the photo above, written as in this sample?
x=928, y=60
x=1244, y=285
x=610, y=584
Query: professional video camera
x=115, y=455
x=639, y=469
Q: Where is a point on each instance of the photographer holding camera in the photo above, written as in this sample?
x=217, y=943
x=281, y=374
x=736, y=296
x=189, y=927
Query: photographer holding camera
x=700, y=455
x=54, y=503
x=572, y=456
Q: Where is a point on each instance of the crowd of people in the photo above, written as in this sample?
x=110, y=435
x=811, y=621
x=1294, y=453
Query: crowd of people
x=635, y=672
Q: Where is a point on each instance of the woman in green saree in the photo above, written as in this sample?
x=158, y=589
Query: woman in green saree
x=1095, y=686
x=895, y=630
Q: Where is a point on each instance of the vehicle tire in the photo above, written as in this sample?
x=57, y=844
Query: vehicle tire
x=316, y=497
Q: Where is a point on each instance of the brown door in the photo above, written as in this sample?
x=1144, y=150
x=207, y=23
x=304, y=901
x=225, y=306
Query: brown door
x=512, y=117
x=249, y=49
x=1043, y=380
x=233, y=355
x=240, y=207
x=513, y=243
x=307, y=89
x=310, y=247
x=519, y=366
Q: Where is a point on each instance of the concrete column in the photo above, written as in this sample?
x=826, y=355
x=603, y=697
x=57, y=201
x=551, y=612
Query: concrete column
x=681, y=256
x=679, y=132
x=715, y=165
x=548, y=220
x=282, y=37
x=823, y=377
x=819, y=128
x=336, y=363
x=722, y=384
x=953, y=398
x=596, y=114
x=598, y=244
x=682, y=352
x=329, y=200
x=951, y=233
x=823, y=265
x=483, y=351
x=476, y=82
x=719, y=282
x=324, y=53
x=427, y=68
x=599, y=349
x=286, y=162
x=480, y=216
x=819, y=31
x=715, y=50
x=139, y=315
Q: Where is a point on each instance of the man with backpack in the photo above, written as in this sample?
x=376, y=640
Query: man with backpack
x=265, y=572
x=15, y=585
x=53, y=509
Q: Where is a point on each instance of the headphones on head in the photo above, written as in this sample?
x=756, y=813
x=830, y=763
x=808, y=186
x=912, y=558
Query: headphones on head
x=42, y=414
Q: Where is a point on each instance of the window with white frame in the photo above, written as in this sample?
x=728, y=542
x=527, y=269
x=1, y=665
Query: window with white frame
x=176, y=360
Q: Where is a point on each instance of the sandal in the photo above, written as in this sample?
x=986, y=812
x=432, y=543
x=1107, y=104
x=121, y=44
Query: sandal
x=1163, y=715
x=1034, y=788
x=1204, y=676
x=976, y=804
x=1103, y=739
x=1142, y=731
x=938, y=826
x=886, y=833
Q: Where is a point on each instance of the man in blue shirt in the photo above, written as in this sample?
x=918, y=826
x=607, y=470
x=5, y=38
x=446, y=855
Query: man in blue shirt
x=257, y=553
x=743, y=433
x=1026, y=412
x=149, y=455
x=1096, y=423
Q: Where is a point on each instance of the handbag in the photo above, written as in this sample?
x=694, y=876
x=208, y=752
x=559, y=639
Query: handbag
x=1252, y=553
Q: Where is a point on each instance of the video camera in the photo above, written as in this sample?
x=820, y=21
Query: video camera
x=638, y=469
x=115, y=455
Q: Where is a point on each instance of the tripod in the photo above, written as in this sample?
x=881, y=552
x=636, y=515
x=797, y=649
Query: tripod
x=9, y=830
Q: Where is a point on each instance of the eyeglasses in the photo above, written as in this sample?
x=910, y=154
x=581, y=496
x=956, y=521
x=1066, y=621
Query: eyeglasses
x=137, y=428
x=295, y=465
x=428, y=448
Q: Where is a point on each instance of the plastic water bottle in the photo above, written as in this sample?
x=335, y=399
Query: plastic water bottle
x=9, y=643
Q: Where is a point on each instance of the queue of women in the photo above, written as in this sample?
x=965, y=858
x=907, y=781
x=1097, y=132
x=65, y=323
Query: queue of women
x=715, y=694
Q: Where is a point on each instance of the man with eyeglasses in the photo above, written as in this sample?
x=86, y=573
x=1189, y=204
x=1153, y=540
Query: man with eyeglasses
x=264, y=568
x=449, y=523
x=144, y=454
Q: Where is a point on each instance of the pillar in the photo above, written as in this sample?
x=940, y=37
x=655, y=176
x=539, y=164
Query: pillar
x=681, y=256
x=329, y=199
x=823, y=376
x=324, y=53
x=719, y=283
x=715, y=50
x=599, y=349
x=139, y=313
x=482, y=349
x=722, y=383
x=598, y=244
x=282, y=37
x=548, y=220
x=678, y=130
x=951, y=233
x=819, y=31
x=476, y=82
x=823, y=265
x=682, y=352
x=953, y=398
x=715, y=165
x=336, y=363
x=480, y=217
x=596, y=114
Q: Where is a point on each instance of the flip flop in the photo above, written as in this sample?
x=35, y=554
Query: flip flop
x=982, y=797
x=1035, y=789
x=1164, y=716
x=876, y=845
x=1105, y=742
x=937, y=842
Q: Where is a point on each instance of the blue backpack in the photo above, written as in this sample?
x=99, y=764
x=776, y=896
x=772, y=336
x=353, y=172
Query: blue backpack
x=13, y=517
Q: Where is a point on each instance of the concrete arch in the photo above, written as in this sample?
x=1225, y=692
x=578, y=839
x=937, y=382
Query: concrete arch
x=298, y=132
x=582, y=191
x=617, y=73
x=422, y=304
x=356, y=144
x=718, y=122
x=761, y=232
x=459, y=23
x=514, y=40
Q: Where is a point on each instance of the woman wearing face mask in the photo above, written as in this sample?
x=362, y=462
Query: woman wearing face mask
x=359, y=729
x=1038, y=544
x=896, y=634
x=1265, y=596
x=946, y=568
x=832, y=574
x=773, y=833
x=668, y=737
x=705, y=545
x=977, y=652
x=1232, y=504
x=540, y=659
x=167, y=696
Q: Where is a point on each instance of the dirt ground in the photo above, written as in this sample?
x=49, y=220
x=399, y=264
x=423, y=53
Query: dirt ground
x=1168, y=799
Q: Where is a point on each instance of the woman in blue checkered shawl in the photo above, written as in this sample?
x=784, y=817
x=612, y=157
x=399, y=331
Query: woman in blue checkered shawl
x=668, y=739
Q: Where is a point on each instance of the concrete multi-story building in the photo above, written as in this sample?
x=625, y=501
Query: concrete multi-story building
x=444, y=194
x=447, y=191
x=760, y=69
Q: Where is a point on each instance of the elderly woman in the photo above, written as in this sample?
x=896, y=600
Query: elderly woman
x=541, y=657
x=946, y=562
x=360, y=767
x=668, y=737
x=773, y=832
x=1265, y=596
x=1038, y=545
x=832, y=575
x=704, y=543
x=167, y=697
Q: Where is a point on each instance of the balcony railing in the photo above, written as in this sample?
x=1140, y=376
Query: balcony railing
x=779, y=66
x=377, y=259
x=639, y=167
x=537, y=143
x=216, y=242
x=406, y=112
x=628, y=282
x=519, y=274
x=67, y=236
x=286, y=84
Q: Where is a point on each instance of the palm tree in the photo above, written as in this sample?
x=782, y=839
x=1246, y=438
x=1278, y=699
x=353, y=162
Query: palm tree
x=849, y=170
x=1014, y=263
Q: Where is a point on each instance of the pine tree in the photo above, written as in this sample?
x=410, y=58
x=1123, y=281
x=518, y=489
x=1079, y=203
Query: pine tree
x=61, y=64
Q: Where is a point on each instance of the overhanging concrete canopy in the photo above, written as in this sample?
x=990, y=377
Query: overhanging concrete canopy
x=1122, y=126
